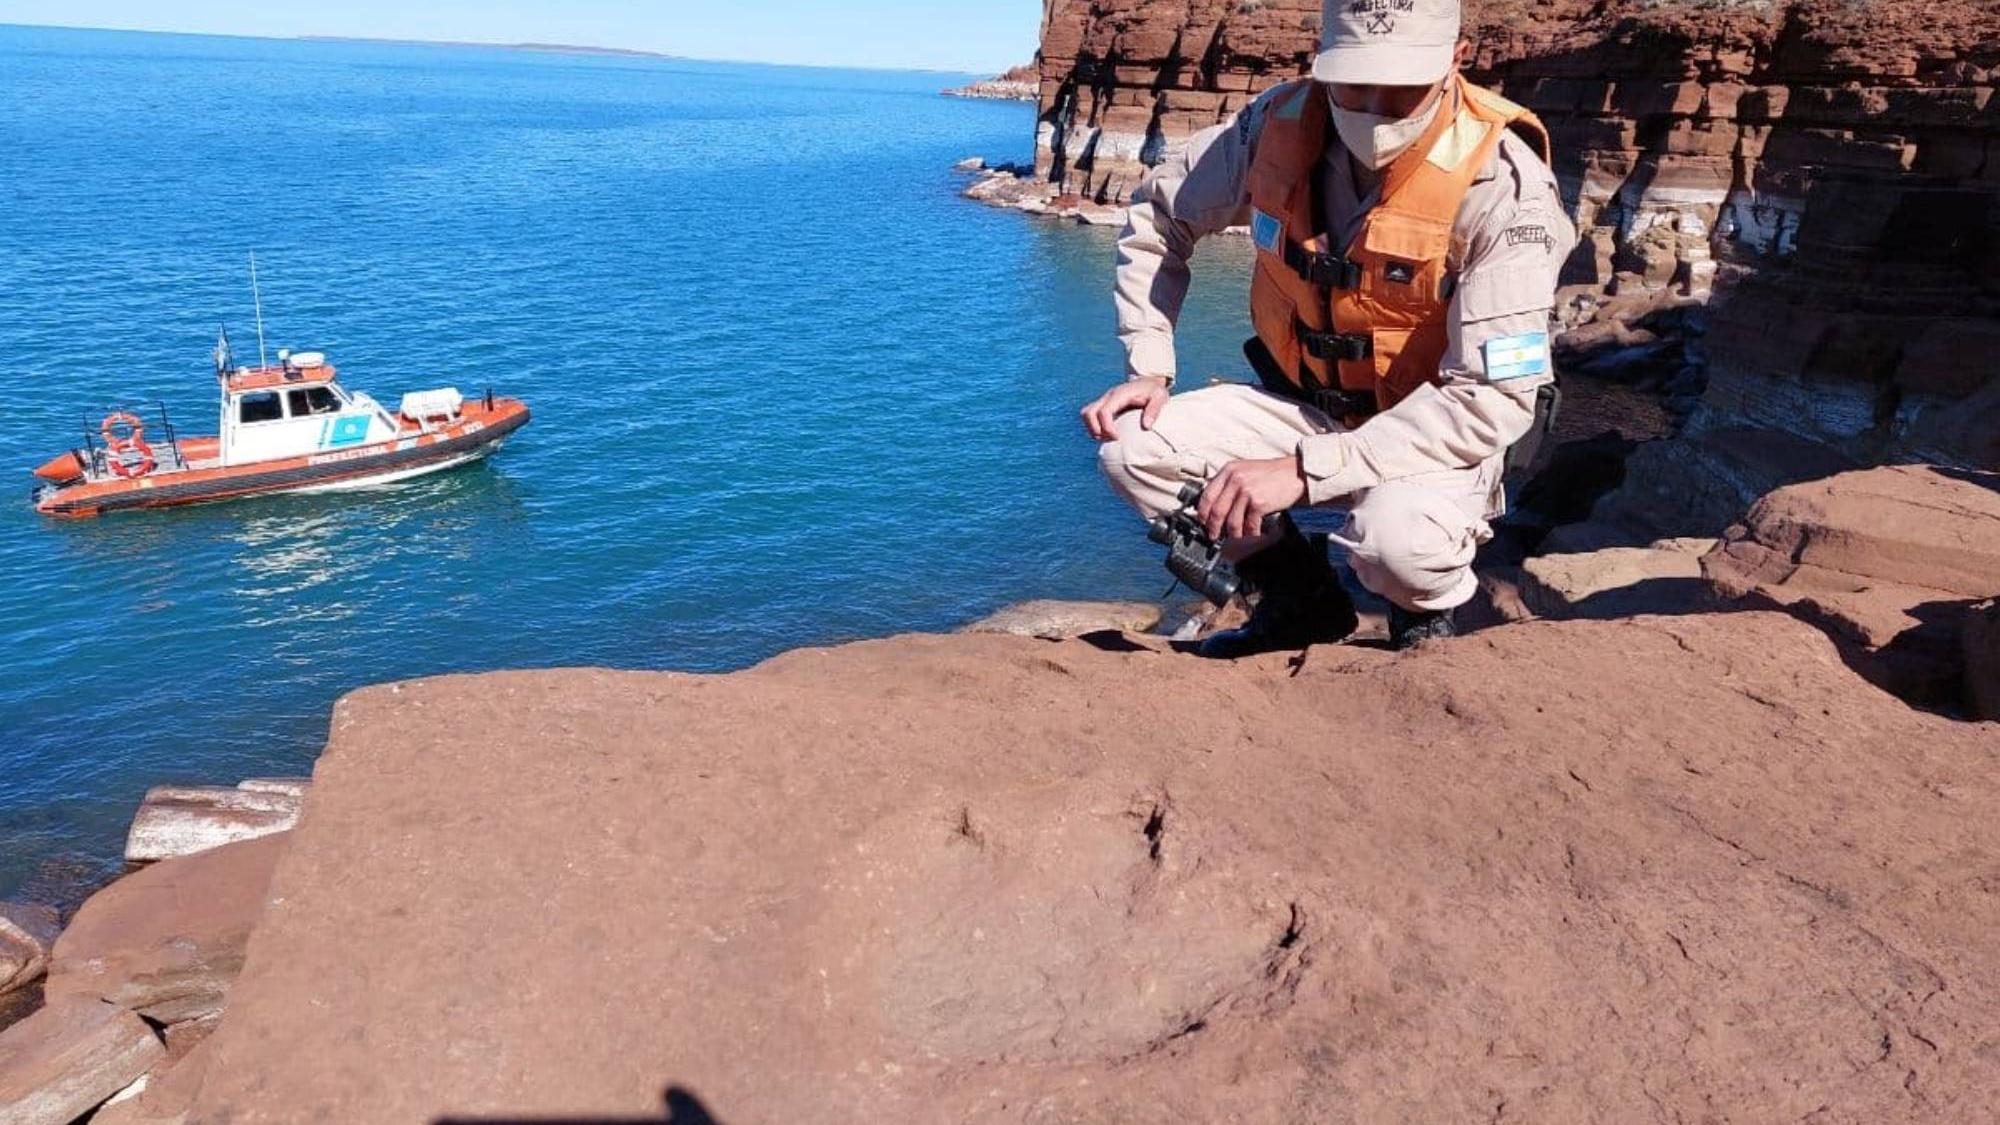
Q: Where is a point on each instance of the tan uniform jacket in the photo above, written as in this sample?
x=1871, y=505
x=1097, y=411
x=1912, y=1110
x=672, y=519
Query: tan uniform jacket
x=1509, y=243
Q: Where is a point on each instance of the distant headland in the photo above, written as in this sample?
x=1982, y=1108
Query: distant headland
x=544, y=48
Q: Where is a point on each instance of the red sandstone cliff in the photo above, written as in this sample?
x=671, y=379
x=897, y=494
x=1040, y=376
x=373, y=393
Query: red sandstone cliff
x=1721, y=110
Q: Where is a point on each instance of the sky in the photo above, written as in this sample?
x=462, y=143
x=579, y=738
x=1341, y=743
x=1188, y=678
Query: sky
x=982, y=36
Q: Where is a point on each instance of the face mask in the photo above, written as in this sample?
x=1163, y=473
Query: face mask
x=1377, y=141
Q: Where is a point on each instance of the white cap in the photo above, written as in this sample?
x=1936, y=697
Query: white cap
x=1386, y=42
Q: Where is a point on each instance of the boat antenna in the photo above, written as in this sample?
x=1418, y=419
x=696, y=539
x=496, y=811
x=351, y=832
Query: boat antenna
x=259, y=299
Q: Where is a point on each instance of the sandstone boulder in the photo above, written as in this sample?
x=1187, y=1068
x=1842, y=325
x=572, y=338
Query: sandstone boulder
x=1910, y=525
x=1054, y=620
x=168, y=940
x=26, y=932
x=1571, y=871
x=67, y=1059
x=1617, y=581
x=178, y=820
x=1888, y=560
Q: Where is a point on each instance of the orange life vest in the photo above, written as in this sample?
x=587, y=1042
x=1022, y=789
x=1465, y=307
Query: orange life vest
x=1366, y=327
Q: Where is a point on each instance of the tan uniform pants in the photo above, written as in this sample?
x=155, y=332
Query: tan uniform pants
x=1410, y=540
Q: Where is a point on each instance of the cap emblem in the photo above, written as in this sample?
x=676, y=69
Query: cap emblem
x=1379, y=16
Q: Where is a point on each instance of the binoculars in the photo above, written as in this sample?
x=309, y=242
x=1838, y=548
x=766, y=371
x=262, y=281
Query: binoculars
x=1193, y=558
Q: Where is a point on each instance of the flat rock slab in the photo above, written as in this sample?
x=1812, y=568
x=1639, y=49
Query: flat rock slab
x=168, y=940
x=1587, y=871
x=178, y=820
x=65, y=1060
x=1910, y=525
x=169, y=1093
x=1617, y=581
x=1056, y=620
x=26, y=933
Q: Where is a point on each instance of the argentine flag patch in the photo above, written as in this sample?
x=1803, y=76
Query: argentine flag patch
x=1267, y=232
x=1517, y=357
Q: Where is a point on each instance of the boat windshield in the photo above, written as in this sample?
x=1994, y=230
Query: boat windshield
x=263, y=406
x=314, y=400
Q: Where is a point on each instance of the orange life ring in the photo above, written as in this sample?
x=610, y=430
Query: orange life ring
x=128, y=467
x=129, y=421
x=135, y=468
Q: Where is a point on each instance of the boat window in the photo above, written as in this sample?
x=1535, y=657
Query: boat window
x=314, y=400
x=261, y=407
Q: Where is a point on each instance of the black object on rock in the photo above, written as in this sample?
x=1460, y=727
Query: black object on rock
x=1300, y=600
x=1192, y=557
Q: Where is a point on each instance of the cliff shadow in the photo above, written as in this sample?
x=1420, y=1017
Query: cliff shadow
x=1924, y=665
x=1096, y=76
x=681, y=1107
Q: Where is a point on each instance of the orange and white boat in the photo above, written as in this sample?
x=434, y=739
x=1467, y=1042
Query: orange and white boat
x=284, y=427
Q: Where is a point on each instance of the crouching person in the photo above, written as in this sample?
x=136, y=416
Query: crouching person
x=1408, y=239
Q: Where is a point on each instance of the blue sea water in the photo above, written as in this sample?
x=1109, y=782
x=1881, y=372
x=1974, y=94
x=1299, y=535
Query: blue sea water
x=789, y=388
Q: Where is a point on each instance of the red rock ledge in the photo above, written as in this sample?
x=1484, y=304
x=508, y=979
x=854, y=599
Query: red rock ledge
x=1564, y=871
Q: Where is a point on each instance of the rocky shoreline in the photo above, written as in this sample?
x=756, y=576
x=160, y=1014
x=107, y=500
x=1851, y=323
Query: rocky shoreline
x=1015, y=187
x=1021, y=84
x=95, y=1012
x=997, y=90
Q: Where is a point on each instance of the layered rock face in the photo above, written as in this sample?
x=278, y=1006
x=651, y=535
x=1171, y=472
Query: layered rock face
x=1681, y=128
x=1126, y=82
x=1847, y=150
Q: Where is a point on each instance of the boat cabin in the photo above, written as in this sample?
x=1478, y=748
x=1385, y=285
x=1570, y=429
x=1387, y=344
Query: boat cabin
x=293, y=409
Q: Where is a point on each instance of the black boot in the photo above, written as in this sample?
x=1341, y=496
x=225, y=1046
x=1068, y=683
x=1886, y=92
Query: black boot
x=1300, y=601
x=1409, y=629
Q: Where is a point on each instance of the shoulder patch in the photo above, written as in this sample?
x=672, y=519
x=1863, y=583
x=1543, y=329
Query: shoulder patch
x=1517, y=357
x=1267, y=231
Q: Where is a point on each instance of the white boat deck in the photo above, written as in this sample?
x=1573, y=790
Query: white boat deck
x=166, y=459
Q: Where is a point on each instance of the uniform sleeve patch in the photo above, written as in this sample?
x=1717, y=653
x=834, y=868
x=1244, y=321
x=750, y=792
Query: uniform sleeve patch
x=1267, y=232
x=1532, y=234
x=1517, y=357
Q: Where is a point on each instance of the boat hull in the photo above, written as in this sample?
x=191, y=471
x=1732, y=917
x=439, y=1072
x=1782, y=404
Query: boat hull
x=478, y=434
x=398, y=476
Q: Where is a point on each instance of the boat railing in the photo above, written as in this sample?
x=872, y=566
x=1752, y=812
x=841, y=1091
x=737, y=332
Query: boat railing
x=166, y=444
